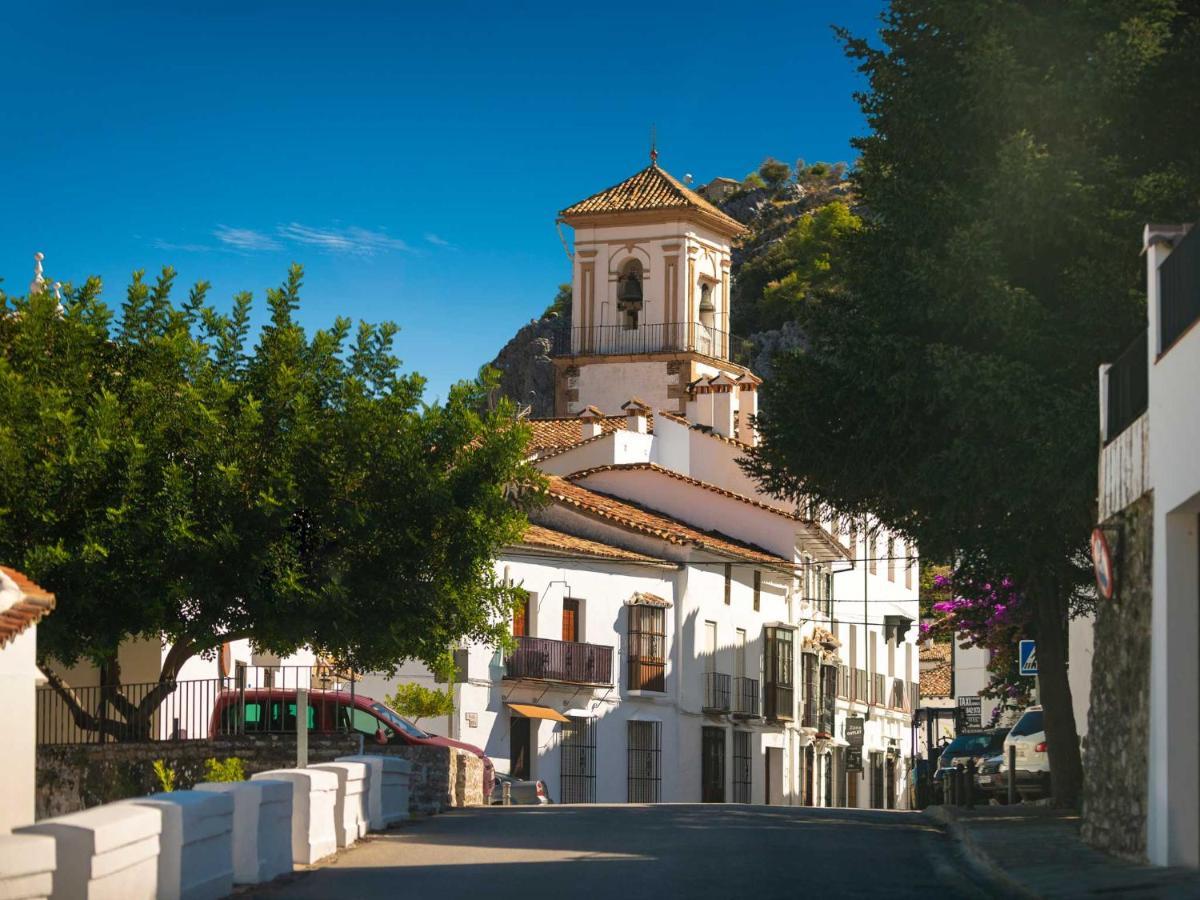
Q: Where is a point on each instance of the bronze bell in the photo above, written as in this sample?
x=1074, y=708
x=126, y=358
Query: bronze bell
x=630, y=290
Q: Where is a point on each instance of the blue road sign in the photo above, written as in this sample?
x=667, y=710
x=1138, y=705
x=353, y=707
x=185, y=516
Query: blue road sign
x=1028, y=657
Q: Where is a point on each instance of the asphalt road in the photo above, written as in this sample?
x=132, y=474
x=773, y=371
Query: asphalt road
x=633, y=852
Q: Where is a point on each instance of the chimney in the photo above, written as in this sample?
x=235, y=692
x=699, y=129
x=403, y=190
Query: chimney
x=724, y=400
x=635, y=415
x=700, y=403
x=747, y=385
x=589, y=422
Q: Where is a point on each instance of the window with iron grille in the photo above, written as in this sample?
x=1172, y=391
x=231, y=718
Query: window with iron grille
x=577, y=761
x=644, y=757
x=647, y=648
x=778, y=665
x=809, y=684
x=741, y=767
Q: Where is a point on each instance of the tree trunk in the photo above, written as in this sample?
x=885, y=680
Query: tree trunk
x=1062, y=739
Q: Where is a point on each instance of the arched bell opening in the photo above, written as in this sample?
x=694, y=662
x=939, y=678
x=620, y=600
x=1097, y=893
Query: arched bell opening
x=629, y=293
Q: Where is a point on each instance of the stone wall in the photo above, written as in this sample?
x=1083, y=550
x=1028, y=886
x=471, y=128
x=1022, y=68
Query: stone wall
x=442, y=777
x=72, y=777
x=79, y=776
x=1116, y=763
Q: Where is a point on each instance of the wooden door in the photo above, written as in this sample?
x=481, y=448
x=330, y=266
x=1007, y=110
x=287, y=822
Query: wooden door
x=521, y=618
x=570, y=620
x=712, y=765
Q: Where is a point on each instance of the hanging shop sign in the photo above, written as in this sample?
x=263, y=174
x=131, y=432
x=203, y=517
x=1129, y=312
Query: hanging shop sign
x=971, y=710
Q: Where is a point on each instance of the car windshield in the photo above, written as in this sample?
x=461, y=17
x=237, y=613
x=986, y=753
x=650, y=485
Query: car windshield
x=397, y=721
x=968, y=745
x=1031, y=723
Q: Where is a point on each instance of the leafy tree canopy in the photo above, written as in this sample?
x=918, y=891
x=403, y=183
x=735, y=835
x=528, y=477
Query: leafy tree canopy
x=1016, y=149
x=419, y=702
x=164, y=477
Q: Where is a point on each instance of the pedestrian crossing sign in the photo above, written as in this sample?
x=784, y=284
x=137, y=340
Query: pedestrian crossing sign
x=1028, y=657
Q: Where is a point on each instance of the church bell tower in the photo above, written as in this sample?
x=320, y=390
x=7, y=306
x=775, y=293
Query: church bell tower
x=650, y=300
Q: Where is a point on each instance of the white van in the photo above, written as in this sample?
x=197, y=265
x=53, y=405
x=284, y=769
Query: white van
x=1028, y=736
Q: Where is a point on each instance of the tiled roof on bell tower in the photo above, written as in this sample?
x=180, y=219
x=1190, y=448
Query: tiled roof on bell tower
x=650, y=190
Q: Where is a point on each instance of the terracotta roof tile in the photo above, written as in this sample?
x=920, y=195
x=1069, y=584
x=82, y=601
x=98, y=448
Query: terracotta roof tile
x=650, y=189
x=935, y=682
x=646, y=521
x=34, y=603
x=554, y=435
x=825, y=538
x=936, y=652
x=552, y=539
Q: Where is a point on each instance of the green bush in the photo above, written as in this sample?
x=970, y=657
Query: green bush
x=165, y=775
x=230, y=769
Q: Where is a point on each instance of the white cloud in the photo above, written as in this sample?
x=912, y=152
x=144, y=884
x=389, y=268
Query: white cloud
x=354, y=240
x=160, y=244
x=437, y=240
x=245, y=238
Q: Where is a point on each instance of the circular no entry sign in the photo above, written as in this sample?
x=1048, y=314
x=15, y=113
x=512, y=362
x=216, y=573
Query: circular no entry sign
x=1102, y=562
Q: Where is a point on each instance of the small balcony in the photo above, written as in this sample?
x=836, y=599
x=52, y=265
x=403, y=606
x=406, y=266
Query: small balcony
x=567, y=662
x=716, y=692
x=745, y=697
x=654, y=337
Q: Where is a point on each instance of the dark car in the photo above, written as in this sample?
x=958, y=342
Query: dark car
x=273, y=710
x=976, y=745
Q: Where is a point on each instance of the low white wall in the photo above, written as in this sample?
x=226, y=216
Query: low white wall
x=106, y=853
x=314, y=801
x=26, y=866
x=372, y=788
x=195, y=856
x=350, y=809
x=262, y=827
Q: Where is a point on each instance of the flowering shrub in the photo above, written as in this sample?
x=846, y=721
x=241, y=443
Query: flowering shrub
x=992, y=615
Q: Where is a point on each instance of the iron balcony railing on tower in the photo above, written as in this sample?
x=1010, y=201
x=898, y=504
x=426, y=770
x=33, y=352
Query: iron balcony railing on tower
x=655, y=337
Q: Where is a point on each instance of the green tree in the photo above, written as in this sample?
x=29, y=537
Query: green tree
x=772, y=285
x=774, y=172
x=166, y=479
x=1015, y=150
x=419, y=702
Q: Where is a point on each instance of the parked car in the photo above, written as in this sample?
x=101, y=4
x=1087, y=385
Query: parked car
x=273, y=710
x=1028, y=736
x=520, y=792
x=991, y=778
x=977, y=745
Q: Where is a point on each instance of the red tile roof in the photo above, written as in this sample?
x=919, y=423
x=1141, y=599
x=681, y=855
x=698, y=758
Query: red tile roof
x=656, y=524
x=554, y=435
x=651, y=189
x=937, y=651
x=34, y=603
x=542, y=538
x=935, y=682
x=819, y=533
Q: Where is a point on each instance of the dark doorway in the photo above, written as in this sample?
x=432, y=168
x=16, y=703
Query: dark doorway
x=810, y=764
x=519, y=745
x=876, y=781
x=828, y=799
x=889, y=796
x=712, y=765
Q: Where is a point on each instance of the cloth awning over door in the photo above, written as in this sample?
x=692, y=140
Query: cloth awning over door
x=529, y=711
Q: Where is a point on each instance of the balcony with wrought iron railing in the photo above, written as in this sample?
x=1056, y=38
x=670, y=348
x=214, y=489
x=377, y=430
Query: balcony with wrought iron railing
x=568, y=662
x=716, y=692
x=1179, y=290
x=745, y=697
x=652, y=337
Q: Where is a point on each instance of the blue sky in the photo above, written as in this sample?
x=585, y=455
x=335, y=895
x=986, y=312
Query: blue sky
x=411, y=156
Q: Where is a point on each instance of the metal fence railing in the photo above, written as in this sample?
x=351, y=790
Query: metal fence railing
x=1128, y=393
x=652, y=337
x=1179, y=288
x=251, y=700
x=716, y=692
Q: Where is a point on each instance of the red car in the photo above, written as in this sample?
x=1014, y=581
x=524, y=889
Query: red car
x=273, y=710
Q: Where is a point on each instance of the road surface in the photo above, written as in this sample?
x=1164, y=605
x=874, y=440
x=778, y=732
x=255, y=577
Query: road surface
x=634, y=852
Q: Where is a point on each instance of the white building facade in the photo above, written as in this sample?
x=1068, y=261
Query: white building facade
x=687, y=637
